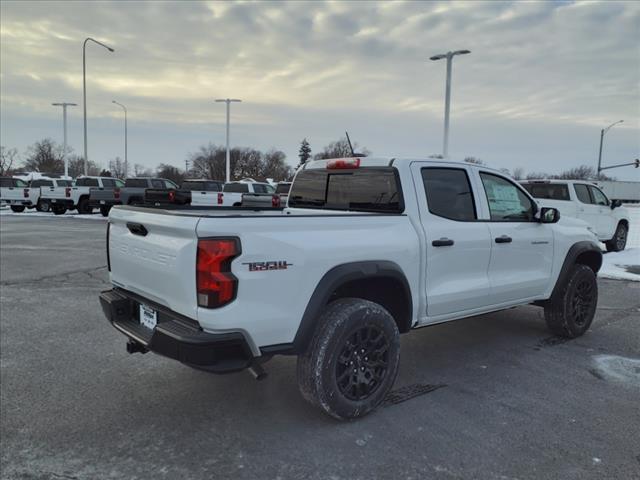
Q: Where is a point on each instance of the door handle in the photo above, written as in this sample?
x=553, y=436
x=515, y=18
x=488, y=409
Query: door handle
x=137, y=229
x=504, y=239
x=443, y=242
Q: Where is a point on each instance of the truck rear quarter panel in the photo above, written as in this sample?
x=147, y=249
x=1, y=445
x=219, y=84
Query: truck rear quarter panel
x=301, y=250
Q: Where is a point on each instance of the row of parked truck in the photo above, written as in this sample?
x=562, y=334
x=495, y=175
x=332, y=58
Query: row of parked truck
x=58, y=195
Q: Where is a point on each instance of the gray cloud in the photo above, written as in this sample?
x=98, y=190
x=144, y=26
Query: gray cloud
x=538, y=69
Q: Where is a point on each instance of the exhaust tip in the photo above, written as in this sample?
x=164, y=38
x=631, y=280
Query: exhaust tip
x=257, y=371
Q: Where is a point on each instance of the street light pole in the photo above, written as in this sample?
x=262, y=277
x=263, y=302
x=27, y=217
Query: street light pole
x=64, y=106
x=447, y=101
x=126, y=168
x=84, y=94
x=602, y=132
x=228, y=102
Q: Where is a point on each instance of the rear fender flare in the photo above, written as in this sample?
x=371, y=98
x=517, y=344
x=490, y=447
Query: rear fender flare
x=338, y=276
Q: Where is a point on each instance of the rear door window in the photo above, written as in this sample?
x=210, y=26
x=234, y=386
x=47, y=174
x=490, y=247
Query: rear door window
x=449, y=193
x=108, y=182
x=157, y=183
x=549, y=191
x=582, y=192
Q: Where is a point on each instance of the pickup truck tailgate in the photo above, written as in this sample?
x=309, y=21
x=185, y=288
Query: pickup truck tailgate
x=154, y=255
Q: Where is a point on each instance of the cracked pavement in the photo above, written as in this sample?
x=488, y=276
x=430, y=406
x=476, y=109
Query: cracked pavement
x=491, y=397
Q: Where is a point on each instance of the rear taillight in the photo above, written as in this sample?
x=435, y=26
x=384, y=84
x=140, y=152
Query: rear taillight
x=172, y=196
x=275, y=201
x=116, y=193
x=26, y=193
x=215, y=283
x=343, y=163
x=220, y=198
x=67, y=192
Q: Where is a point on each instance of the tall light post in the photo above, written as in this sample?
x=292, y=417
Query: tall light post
x=84, y=94
x=126, y=170
x=449, y=56
x=228, y=102
x=64, y=106
x=602, y=132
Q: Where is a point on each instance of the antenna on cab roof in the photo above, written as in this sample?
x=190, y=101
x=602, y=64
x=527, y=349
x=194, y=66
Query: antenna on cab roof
x=353, y=154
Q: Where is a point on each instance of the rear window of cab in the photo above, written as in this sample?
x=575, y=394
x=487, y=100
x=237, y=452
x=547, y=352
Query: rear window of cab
x=369, y=189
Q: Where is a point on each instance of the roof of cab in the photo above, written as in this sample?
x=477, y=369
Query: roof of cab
x=393, y=161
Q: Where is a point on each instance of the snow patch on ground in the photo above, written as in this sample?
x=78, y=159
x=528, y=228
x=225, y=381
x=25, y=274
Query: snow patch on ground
x=34, y=213
x=625, y=265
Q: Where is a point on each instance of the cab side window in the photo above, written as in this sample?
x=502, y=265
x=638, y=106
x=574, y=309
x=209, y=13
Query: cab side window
x=582, y=192
x=507, y=202
x=449, y=193
x=598, y=197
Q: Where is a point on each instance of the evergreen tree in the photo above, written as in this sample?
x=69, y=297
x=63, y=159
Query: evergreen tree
x=305, y=152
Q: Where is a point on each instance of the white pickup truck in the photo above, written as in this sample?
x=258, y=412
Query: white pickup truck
x=15, y=193
x=585, y=201
x=75, y=195
x=367, y=249
x=233, y=193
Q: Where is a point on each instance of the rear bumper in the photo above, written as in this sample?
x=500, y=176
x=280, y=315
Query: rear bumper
x=103, y=203
x=25, y=203
x=175, y=336
x=60, y=201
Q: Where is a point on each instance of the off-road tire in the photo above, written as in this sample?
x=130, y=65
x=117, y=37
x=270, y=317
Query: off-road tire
x=83, y=206
x=58, y=209
x=43, y=206
x=17, y=208
x=619, y=240
x=324, y=371
x=571, y=309
x=105, y=211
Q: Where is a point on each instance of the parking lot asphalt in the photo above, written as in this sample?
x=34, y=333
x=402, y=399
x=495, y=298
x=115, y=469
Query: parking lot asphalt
x=491, y=397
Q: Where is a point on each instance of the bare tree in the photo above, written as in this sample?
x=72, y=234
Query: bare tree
x=340, y=149
x=45, y=156
x=170, y=172
x=76, y=166
x=275, y=166
x=140, y=170
x=116, y=167
x=8, y=156
x=518, y=173
x=209, y=162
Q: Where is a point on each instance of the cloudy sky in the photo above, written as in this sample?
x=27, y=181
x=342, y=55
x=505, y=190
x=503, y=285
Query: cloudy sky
x=543, y=77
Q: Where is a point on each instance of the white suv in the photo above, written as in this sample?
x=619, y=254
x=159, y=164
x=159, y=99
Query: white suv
x=585, y=201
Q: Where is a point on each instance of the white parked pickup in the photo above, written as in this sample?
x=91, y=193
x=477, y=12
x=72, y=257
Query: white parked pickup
x=585, y=201
x=367, y=249
x=74, y=195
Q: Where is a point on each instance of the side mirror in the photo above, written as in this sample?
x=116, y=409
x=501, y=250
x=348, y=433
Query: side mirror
x=615, y=204
x=549, y=215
